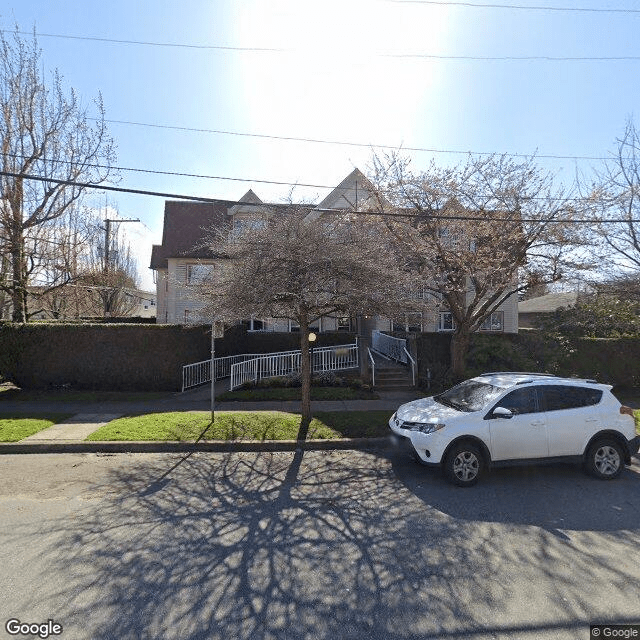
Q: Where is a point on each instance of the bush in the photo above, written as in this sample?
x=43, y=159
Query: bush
x=614, y=361
x=603, y=318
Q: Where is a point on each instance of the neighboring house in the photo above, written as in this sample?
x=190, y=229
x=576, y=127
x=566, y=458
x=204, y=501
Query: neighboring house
x=183, y=258
x=529, y=311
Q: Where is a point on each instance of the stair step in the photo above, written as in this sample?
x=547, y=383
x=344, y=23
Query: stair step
x=392, y=376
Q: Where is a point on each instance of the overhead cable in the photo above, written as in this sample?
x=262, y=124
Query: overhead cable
x=347, y=143
x=425, y=56
x=382, y=214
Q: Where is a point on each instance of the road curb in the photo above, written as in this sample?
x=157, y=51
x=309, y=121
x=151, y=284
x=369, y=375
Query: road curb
x=191, y=446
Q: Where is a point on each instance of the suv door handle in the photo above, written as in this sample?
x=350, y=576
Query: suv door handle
x=591, y=419
x=537, y=423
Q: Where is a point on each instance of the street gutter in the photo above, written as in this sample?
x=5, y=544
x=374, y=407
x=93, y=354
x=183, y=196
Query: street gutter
x=186, y=446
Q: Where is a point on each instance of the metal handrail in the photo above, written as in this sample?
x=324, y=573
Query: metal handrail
x=413, y=366
x=268, y=365
x=388, y=346
x=373, y=368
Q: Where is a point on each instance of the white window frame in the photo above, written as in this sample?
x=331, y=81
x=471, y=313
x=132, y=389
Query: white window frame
x=493, y=323
x=191, y=275
x=441, y=322
x=345, y=327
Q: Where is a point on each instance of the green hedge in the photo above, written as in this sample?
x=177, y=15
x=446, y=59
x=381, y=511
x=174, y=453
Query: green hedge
x=123, y=356
x=614, y=361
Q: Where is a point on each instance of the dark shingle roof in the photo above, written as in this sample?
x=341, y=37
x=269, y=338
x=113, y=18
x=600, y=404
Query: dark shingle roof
x=185, y=225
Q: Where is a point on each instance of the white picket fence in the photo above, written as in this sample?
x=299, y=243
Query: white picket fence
x=251, y=367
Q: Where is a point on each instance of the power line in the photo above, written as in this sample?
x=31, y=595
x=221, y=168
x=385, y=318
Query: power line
x=149, y=43
x=425, y=56
x=346, y=143
x=428, y=56
x=188, y=175
x=316, y=209
x=478, y=5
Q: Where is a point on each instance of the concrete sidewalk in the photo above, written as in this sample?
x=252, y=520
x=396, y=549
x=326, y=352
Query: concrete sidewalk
x=75, y=429
x=69, y=436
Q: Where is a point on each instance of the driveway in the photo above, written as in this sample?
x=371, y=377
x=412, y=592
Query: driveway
x=312, y=545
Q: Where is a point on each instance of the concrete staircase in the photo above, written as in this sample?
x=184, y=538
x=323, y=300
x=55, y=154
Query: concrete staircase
x=390, y=375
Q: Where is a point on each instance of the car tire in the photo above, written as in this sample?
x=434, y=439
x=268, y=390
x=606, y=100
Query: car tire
x=463, y=465
x=605, y=459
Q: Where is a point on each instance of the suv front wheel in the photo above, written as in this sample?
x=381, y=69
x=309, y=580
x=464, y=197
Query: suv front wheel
x=463, y=464
x=605, y=459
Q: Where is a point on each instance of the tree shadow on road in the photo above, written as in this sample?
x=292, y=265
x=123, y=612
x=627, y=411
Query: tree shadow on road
x=284, y=545
x=270, y=545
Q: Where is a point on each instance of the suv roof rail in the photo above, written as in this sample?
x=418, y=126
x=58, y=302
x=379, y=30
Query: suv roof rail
x=518, y=373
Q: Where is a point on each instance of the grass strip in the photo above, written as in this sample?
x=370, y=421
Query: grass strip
x=14, y=428
x=243, y=425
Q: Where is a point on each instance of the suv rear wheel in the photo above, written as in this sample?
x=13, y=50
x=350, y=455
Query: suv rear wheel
x=463, y=464
x=605, y=459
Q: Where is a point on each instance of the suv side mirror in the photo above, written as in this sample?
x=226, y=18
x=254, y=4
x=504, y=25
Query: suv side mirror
x=502, y=412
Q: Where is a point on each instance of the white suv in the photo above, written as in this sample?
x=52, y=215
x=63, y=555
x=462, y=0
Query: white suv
x=506, y=418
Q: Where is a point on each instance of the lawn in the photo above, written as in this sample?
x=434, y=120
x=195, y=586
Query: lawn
x=14, y=428
x=293, y=393
x=244, y=425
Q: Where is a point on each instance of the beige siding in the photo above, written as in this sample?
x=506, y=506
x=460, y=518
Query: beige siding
x=161, y=295
x=510, y=308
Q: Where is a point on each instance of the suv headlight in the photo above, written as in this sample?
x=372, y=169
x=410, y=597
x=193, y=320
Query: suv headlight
x=428, y=427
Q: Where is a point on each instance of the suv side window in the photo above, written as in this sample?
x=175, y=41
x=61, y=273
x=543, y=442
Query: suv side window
x=557, y=397
x=520, y=401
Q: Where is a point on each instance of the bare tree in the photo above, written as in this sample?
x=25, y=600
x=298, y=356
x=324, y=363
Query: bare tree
x=83, y=278
x=291, y=264
x=44, y=132
x=476, y=234
x=615, y=206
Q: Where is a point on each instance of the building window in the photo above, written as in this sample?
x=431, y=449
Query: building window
x=494, y=322
x=343, y=323
x=255, y=324
x=409, y=322
x=198, y=272
x=245, y=225
x=445, y=321
x=187, y=315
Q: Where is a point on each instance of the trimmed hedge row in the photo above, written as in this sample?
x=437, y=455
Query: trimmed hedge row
x=614, y=361
x=126, y=357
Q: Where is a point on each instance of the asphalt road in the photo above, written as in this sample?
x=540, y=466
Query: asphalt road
x=317, y=545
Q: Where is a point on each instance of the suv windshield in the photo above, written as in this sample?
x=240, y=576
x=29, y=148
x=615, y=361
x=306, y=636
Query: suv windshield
x=469, y=396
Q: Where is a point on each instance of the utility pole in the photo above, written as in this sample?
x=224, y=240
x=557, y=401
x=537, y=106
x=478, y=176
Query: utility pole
x=107, y=261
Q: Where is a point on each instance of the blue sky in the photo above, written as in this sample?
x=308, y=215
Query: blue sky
x=334, y=77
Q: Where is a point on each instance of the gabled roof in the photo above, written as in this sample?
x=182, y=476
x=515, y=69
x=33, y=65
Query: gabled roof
x=246, y=204
x=548, y=303
x=185, y=225
x=353, y=191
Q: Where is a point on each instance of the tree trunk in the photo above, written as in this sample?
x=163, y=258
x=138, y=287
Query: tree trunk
x=459, y=348
x=19, y=285
x=305, y=372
